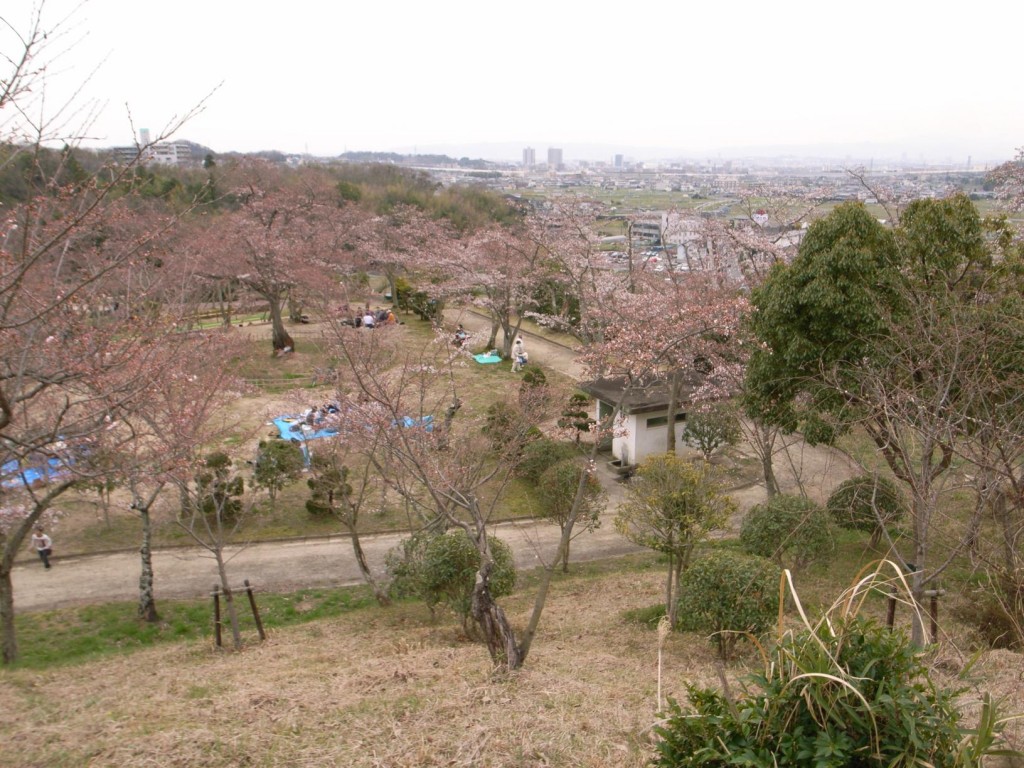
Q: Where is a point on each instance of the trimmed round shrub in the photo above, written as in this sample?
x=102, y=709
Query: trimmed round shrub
x=727, y=594
x=791, y=530
x=853, y=505
x=540, y=455
x=441, y=569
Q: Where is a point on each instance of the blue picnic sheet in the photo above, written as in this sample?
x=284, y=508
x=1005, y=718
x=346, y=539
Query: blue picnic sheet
x=284, y=425
x=487, y=359
x=427, y=422
x=12, y=476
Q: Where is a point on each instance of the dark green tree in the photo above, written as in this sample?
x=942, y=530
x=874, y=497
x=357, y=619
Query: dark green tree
x=791, y=530
x=576, y=416
x=333, y=495
x=893, y=330
x=867, y=503
x=278, y=464
x=219, y=489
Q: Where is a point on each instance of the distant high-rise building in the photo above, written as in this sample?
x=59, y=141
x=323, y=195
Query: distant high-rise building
x=618, y=161
x=143, y=137
x=529, y=157
x=554, y=159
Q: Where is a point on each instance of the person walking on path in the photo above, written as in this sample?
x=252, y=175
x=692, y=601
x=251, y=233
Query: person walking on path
x=43, y=545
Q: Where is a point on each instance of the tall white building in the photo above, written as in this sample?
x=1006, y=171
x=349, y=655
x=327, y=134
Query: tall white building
x=554, y=159
x=529, y=157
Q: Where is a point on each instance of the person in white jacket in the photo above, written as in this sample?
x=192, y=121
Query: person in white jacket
x=519, y=356
x=43, y=545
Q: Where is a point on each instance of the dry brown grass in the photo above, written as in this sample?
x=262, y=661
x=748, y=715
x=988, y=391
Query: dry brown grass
x=381, y=688
x=385, y=688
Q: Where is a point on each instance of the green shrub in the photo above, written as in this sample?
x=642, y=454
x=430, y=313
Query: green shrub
x=329, y=487
x=854, y=503
x=440, y=569
x=278, y=463
x=542, y=454
x=791, y=530
x=849, y=693
x=727, y=594
x=219, y=489
x=712, y=428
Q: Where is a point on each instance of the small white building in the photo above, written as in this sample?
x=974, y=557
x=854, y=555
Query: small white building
x=643, y=423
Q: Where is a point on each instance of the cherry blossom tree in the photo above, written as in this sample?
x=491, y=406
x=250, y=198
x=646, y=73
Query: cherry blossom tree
x=431, y=450
x=181, y=410
x=1008, y=180
x=76, y=262
x=283, y=236
x=498, y=271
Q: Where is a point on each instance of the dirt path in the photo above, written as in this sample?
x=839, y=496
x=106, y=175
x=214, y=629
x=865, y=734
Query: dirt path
x=283, y=566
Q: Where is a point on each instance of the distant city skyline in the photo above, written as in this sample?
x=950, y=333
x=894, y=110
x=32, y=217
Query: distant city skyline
x=933, y=82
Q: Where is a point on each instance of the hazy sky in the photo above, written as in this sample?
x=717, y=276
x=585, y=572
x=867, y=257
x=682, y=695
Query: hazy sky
x=929, y=77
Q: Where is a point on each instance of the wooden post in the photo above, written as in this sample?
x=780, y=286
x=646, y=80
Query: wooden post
x=255, y=611
x=216, y=615
x=890, y=617
x=934, y=595
x=935, y=617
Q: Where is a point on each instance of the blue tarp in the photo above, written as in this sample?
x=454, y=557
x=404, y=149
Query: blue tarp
x=284, y=425
x=427, y=422
x=487, y=359
x=12, y=476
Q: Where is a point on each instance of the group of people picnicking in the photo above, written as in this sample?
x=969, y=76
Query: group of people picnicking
x=317, y=415
x=373, y=318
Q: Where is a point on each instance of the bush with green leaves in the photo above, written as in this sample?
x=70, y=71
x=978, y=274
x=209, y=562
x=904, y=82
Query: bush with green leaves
x=329, y=488
x=867, y=503
x=791, y=530
x=557, y=496
x=541, y=454
x=576, y=416
x=727, y=594
x=845, y=693
x=440, y=569
x=711, y=428
x=219, y=489
x=671, y=506
x=278, y=463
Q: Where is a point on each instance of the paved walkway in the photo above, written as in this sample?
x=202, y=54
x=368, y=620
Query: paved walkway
x=273, y=566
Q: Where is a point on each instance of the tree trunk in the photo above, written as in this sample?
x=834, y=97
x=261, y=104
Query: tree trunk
x=670, y=604
x=673, y=405
x=920, y=513
x=9, y=640
x=11, y=544
x=147, y=601
x=494, y=626
x=364, y=567
x=280, y=338
x=771, y=482
x=229, y=599
x=492, y=340
x=565, y=558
